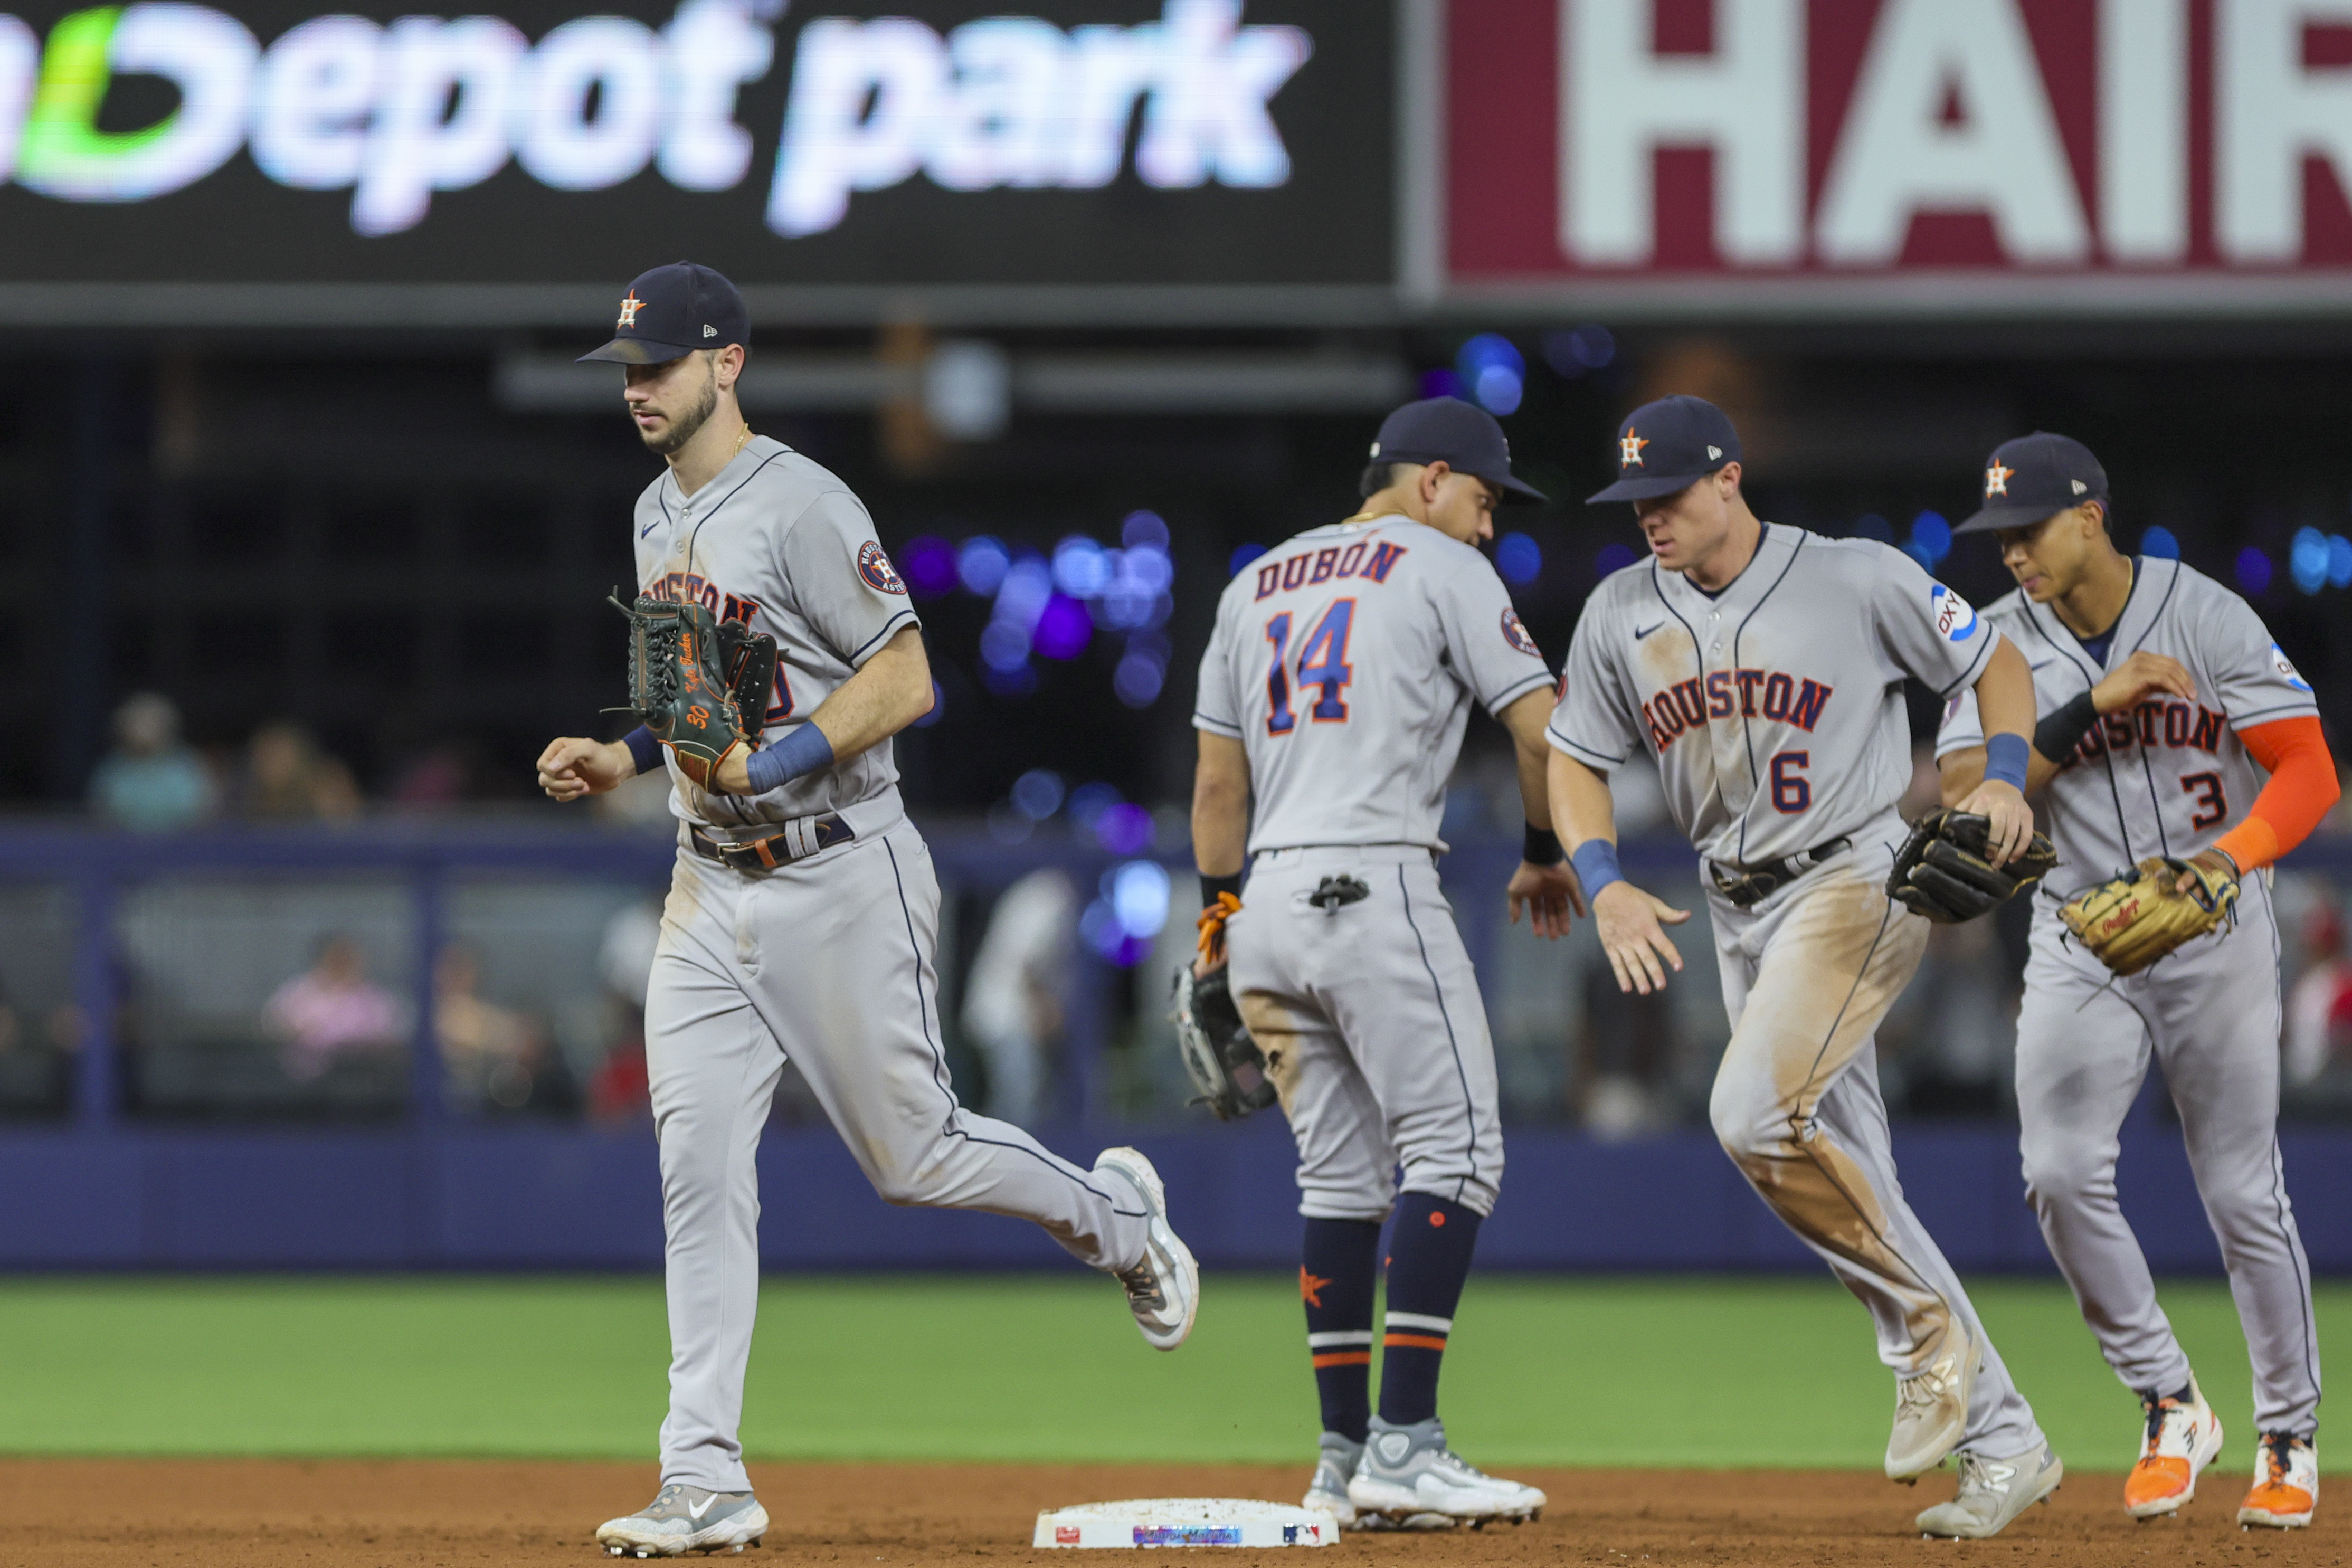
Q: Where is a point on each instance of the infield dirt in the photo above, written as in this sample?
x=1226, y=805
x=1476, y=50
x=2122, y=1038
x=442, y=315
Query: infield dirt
x=112, y=1513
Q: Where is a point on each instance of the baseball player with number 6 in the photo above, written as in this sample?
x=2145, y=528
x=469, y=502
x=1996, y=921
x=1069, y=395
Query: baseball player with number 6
x=803, y=910
x=1762, y=667
x=2175, y=739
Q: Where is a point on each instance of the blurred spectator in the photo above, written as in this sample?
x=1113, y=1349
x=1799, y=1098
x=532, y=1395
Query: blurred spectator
x=2319, y=1005
x=490, y=1054
x=626, y=961
x=287, y=778
x=332, y=1010
x=434, y=778
x=1013, y=997
x=152, y=780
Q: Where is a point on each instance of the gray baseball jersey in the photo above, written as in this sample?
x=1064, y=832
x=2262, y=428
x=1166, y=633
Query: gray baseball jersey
x=1775, y=707
x=828, y=960
x=2168, y=777
x=1345, y=661
x=777, y=543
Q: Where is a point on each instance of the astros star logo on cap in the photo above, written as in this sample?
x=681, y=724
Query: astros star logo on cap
x=1997, y=478
x=1629, y=450
x=629, y=309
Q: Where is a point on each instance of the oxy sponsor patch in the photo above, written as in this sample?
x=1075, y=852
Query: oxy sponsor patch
x=2287, y=670
x=1955, y=617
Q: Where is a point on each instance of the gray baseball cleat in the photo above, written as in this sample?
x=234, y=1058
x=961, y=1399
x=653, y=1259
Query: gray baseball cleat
x=1408, y=1472
x=1163, y=1291
x=1931, y=1408
x=1993, y=1492
x=685, y=1519
x=1335, y=1465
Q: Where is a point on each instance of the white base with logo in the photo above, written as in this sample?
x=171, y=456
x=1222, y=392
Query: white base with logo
x=1185, y=1522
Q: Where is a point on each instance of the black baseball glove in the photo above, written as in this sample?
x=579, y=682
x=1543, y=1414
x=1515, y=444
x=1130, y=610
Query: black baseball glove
x=1945, y=870
x=1224, y=1063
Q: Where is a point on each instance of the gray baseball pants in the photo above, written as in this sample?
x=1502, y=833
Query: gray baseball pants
x=829, y=961
x=1806, y=975
x=1374, y=1033
x=2210, y=1012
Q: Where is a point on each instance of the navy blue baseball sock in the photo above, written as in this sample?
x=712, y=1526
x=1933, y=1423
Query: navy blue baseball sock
x=1429, y=1259
x=1337, y=1270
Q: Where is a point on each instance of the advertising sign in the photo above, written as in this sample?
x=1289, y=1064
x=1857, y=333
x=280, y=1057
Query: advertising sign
x=1035, y=143
x=1932, y=156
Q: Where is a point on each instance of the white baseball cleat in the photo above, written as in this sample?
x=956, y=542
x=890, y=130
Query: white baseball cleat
x=1163, y=1291
x=1408, y=1472
x=1993, y=1493
x=684, y=1519
x=2286, y=1483
x=1931, y=1408
x=2183, y=1436
x=1335, y=1466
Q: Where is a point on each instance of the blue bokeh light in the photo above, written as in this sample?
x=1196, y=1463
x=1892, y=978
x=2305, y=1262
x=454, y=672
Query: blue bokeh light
x=1038, y=793
x=1932, y=533
x=1063, y=628
x=2159, y=543
x=2255, y=571
x=1442, y=384
x=1142, y=530
x=2339, y=562
x=1242, y=555
x=1138, y=896
x=1490, y=365
x=2307, y=560
x=1124, y=830
x=980, y=565
x=1614, y=556
x=1518, y=559
x=1586, y=348
x=928, y=565
x=1871, y=526
x=1081, y=567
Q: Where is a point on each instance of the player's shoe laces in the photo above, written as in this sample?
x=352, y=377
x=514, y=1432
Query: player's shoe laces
x=2184, y=1436
x=1993, y=1492
x=2286, y=1483
x=1408, y=1471
x=685, y=1519
x=1163, y=1291
x=1931, y=1408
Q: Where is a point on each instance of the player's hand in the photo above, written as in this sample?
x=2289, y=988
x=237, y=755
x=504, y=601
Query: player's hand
x=2143, y=675
x=2212, y=861
x=1203, y=967
x=572, y=768
x=1631, y=926
x=1551, y=895
x=2001, y=803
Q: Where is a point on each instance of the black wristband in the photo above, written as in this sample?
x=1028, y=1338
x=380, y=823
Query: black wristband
x=1543, y=847
x=1210, y=886
x=2057, y=737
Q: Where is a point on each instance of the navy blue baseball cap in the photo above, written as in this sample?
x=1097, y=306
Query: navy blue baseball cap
x=1462, y=436
x=2033, y=479
x=1669, y=446
x=673, y=310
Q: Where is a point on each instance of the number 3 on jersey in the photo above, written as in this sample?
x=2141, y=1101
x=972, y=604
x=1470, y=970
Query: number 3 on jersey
x=1322, y=661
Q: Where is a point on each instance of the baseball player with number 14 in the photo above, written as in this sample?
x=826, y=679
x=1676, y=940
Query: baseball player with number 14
x=2175, y=737
x=1762, y=667
x=803, y=910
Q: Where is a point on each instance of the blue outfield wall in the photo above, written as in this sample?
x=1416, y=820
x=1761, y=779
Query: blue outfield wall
x=577, y=1198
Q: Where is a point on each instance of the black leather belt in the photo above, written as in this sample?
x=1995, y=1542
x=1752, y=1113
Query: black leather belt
x=796, y=841
x=1747, y=885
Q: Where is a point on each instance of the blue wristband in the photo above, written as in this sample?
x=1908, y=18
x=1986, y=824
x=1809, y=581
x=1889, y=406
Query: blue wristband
x=2005, y=756
x=1596, y=866
x=644, y=747
x=803, y=751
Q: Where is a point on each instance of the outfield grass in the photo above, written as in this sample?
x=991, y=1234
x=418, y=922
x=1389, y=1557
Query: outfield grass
x=1547, y=1370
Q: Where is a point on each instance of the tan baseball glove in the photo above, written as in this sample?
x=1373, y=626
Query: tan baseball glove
x=2130, y=922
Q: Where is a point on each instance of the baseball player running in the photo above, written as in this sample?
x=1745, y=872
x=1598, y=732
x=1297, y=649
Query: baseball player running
x=1335, y=692
x=1762, y=667
x=803, y=909
x=2172, y=726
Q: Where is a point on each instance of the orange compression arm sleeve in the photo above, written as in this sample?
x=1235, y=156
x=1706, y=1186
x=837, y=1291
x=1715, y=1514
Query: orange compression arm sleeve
x=2301, y=789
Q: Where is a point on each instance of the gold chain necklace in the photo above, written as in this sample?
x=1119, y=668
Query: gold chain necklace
x=740, y=442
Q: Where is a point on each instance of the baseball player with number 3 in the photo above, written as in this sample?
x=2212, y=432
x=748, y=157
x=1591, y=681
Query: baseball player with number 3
x=2179, y=751
x=804, y=910
x=1762, y=667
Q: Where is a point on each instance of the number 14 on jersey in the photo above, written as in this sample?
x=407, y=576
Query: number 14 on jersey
x=1322, y=661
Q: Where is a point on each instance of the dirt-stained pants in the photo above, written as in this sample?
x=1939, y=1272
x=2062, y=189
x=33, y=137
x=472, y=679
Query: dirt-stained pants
x=1806, y=975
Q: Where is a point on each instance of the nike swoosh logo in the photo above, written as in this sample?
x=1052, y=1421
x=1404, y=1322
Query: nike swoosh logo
x=1647, y=629
x=2042, y=665
x=647, y=532
x=699, y=1508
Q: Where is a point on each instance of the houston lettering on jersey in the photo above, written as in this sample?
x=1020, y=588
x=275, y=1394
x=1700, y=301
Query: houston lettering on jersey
x=1306, y=570
x=2152, y=724
x=1729, y=693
